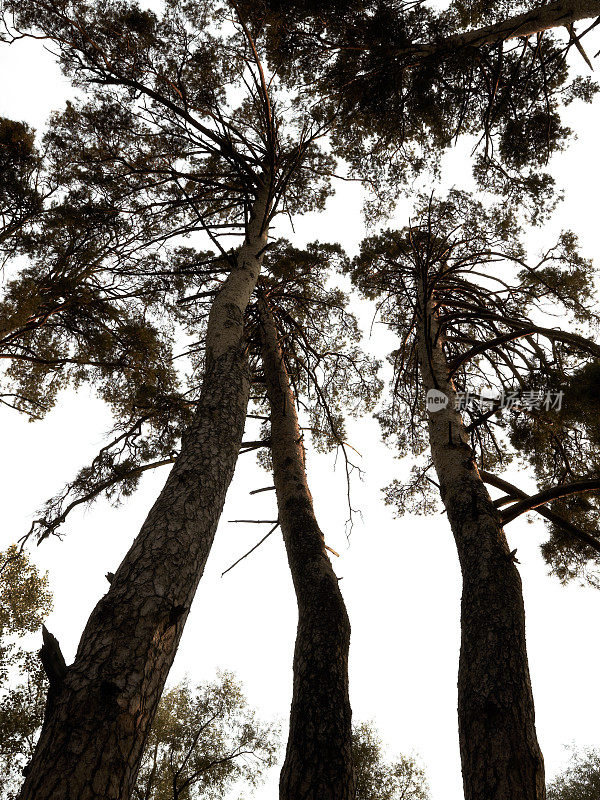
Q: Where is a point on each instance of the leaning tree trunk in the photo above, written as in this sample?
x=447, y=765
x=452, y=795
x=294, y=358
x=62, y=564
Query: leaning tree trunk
x=500, y=755
x=99, y=709
x=542, y=17
x=318, y=761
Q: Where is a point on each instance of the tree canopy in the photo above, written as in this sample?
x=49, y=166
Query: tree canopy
x=496, y=309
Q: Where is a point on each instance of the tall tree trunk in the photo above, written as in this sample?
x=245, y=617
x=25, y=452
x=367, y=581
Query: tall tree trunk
x=99, y=711
x=318, y=762
x=500, y=755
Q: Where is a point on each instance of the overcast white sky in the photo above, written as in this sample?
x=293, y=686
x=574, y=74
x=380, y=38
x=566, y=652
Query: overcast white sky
x=401, y=579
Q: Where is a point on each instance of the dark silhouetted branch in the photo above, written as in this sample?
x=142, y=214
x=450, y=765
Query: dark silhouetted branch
x=546, y=496
x=256, y=546
x=551, y=516
x=52, y=658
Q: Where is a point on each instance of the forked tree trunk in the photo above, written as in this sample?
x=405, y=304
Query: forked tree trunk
x=318, y=761
x=99, y=712
x=500, y=755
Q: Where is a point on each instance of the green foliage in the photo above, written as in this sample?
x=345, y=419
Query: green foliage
x=330, y=374
x=203, y=742
x=89, y=303
x=402, y=90
x=175, y=122
x=477, y=13
x=497, y=316
x=378, y=779
x=20, y=198
x=418, y=495
x=63, y=327
x=581, y=779
x=563, y=447
x=24, y=602
x=21, y=716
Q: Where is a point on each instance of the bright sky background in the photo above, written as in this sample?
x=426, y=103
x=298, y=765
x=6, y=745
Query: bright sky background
x=401, y=579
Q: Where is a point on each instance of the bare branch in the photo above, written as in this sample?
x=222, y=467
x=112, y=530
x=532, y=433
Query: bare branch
x=547, y=495
x=551, y=516
x=256, y=546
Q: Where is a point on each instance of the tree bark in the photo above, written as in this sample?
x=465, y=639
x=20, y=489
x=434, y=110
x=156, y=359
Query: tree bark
x=541, y=18
x=318, y=761
x=97, y=720
x=500, y=755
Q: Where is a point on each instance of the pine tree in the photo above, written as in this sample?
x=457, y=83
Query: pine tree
x=157, y=138
x=306, y=346
x=329, y=374
x=405, y=80
x=318, y=760
x=459, y=292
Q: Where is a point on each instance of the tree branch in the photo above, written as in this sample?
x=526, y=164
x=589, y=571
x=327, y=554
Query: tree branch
x=543, y=18
x=52, y=658
x=256, y=546
x=551, y=516
x=547, y=495
x=587, y=345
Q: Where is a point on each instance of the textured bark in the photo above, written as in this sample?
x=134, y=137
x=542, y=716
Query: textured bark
x=541, y=18
x=98, y=718
x=500, y=755
x=318, y=762
x=561, y=14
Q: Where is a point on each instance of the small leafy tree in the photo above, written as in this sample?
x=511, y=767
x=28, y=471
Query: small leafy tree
x=580, y=780
x=204, y=740
x=24, y=603
x=378, y=779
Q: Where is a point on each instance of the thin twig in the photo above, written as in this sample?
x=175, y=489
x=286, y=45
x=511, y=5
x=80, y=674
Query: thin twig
x=273, y=529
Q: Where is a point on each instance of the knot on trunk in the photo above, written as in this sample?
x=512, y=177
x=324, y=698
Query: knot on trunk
x=175, y=614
